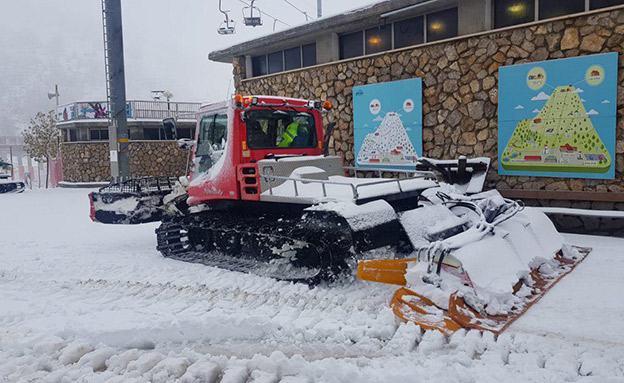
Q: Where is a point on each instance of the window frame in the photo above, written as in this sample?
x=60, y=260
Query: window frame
x=540, y=2
x=213, y=114
x=456, y=25
x=252, y=146
x=266, y=64
x=303, y=56
x=299, y=54
x=593, y=8
x=396, y=24
x=494, y=18
x=362, y=42
x=281, y=56
x=389, y=27
x=537, y=17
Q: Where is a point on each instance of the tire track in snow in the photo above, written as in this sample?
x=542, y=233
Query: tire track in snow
x=191, y=303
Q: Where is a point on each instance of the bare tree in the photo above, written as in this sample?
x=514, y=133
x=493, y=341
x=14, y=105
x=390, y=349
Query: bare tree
x=41, y=139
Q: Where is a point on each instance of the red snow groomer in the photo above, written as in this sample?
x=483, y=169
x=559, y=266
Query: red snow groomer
x=263, y=196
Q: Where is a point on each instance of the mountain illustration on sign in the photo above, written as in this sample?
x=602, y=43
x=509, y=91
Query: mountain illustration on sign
x=389, y=144
x=561, y=137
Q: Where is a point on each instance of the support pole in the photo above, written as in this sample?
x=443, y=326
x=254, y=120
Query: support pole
x=116, y=87
x=11, y=162
x=319, y=8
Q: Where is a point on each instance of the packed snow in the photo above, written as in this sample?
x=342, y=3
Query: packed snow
x=81, y=301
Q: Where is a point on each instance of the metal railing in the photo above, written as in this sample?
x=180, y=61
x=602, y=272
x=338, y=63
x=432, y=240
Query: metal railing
x=142, y=185
x=157, y=110
x=163, y=109
x=410, y=175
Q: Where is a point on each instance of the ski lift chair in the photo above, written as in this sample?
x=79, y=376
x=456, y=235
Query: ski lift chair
x=226, y=28
x=248, y=16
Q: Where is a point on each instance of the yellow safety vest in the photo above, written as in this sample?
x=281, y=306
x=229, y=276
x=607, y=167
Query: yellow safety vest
x=289, y=135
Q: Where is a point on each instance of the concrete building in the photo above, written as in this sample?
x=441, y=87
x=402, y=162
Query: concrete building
x=85, y=147
x=456, y=47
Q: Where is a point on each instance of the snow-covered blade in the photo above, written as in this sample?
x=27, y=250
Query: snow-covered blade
x=135, y=201
x=480, y=262
x=11, y=187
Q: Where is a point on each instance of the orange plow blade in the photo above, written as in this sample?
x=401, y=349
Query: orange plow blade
x=389, y=271
x=466, y=316
x=413, y=307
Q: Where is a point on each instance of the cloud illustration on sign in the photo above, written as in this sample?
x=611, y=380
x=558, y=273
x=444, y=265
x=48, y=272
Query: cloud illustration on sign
x=378, y=119
x=541, y=97
x=536, y=110
x=583, y=100
x=592, y=112
x=578, y=90
x=606, y=102
x=519, y=107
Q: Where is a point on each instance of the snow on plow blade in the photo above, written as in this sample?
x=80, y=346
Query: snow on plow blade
x=131, y=202
x=484, y=277
x=12, y=187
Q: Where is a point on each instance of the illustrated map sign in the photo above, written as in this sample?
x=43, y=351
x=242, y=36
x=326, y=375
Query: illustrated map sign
x=558, y=118
x=387, y=120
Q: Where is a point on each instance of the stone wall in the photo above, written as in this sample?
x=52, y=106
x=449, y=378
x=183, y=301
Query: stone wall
x=89, y=161
x=460, y=95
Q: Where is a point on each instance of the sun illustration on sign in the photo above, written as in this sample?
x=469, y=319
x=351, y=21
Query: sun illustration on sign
x=375, y=106
x=408, y=105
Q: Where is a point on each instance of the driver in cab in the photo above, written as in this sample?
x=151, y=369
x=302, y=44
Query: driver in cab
x=290, y=133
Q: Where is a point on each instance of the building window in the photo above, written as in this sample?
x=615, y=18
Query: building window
x=442, y=25
x=259, y=65
x=151, y=134
x=292, y=58
x=186, y=133
x=378, y=39
x=548, y=9
x=513, y=12
x=98, y=134
x=409, y=32
x=136, y=133
x=73, y=135
x=276, y=62
x=309, y=54
x=94, y=134
x=596, y=4
x=351, y=45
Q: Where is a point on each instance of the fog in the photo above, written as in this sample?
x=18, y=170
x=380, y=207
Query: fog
x=166, y=43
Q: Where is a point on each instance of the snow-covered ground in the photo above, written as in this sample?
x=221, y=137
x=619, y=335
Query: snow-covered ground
x=81, y=301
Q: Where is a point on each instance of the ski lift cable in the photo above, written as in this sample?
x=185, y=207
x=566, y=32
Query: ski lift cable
x=310, y=5
x=298, y=9
x=264, y=13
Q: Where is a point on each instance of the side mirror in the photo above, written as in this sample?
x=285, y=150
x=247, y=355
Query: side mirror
x=169, y=125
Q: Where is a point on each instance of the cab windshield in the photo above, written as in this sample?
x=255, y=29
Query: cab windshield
x=280, y=129
x=211, y=140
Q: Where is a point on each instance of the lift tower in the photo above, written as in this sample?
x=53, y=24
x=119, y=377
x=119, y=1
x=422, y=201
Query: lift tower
x=116, y=89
